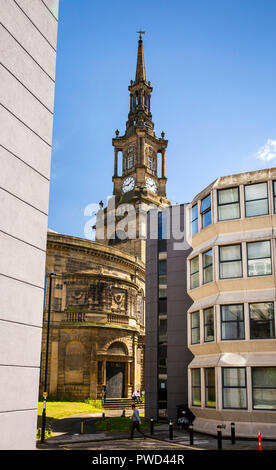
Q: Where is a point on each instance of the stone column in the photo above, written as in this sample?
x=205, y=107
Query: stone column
x=163, y=163
x=115, y=162
x=134, y=362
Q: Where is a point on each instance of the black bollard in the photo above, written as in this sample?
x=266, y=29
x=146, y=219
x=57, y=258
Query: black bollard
x=103, y=415
x=191, y=431
x=233, y=436
x=151, y=426
x=171, y=430
x=219, y=437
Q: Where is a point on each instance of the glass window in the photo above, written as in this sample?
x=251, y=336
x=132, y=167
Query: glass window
x=208, y=324
x=261, y=320
x=162, y=225
x=194, y=265
x=274, y=195
x=207, y=260
x=196, y=387
x=205, y=211
x=234, y=392
x=256, y=200
x=230, y=261
x=130, y=161
x=228, y=204
x=195, y=327
x=232, y=322
x=264, y=388
x=150, y=162
x=258, y=258
x=162, y=275
x=194, y=219
x=162, y=328
x=210, y=388
x=162, y=358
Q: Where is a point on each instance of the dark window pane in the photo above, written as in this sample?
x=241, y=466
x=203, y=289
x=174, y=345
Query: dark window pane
x=264, y=388
x=206, y=219
x=205, y=203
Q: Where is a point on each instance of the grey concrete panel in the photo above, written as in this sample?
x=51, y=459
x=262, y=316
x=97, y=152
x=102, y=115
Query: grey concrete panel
x=15, y=384
x=27, y=35
x=45, y=23
x=22, y=181
x=20, y=64
x=19, y=344
x=19, y=430
x=14, y=215
x=23, y=143
x=21, y=261
x=20, y=302
x=20, y=102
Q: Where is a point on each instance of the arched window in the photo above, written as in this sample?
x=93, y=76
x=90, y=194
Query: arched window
x=117, y=348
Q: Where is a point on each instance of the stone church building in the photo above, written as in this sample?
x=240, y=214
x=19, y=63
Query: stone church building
x=97, y=327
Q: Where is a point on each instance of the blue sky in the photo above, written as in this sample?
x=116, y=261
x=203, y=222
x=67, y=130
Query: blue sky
x=212, y=67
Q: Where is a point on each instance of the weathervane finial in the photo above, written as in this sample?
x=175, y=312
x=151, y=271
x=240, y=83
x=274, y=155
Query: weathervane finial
x=140, y=33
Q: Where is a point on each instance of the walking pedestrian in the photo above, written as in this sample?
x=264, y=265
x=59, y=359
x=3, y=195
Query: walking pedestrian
x=135, y=423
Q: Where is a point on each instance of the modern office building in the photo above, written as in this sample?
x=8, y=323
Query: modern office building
x=167, y=355
x=231, y=321
x=28, y=37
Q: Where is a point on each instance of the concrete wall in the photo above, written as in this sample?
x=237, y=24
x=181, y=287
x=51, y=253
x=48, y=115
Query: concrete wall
x=28, y=35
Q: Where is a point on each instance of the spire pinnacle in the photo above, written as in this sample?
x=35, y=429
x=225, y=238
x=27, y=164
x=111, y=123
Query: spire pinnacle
x=140, y=69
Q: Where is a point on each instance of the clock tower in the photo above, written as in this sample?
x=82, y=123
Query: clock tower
x=139, y=158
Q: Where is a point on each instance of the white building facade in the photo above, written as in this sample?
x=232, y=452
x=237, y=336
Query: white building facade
x=28, y=38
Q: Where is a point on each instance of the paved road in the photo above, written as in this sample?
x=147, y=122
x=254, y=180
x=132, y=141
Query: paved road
x=125, y=444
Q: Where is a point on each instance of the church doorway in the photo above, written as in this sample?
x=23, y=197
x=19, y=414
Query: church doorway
x=115, y=379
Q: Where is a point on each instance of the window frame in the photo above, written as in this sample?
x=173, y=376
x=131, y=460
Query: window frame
x=207, y=266
x=198, y=387
x=231, y=321
x=195, y=272
x=259, y=199
x=274, y=195
x=229, y=203
x=230, y=261
x=208, y=386
x=271, y=321
x=209, y=323
x=193, y=220
x=267, y=257
x=233, y=387
x=195, y=327
x=204, y=212
x=262, y=388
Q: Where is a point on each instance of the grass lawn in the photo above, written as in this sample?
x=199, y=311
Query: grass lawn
x=62, y=409
x=119, y=424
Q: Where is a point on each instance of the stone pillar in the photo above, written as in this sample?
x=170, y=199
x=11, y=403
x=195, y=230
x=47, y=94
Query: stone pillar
x=163, y=163
x=142, y=149
x=115, y=162
x=134, y=362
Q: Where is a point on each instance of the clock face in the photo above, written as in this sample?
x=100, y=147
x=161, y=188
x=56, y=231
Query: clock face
x=151, y=185
x=128, y=184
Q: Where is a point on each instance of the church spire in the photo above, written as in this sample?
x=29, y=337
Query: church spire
x=139, y=115
x=140, y=68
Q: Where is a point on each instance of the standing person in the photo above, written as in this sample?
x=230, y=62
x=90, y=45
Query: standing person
x=135, y=424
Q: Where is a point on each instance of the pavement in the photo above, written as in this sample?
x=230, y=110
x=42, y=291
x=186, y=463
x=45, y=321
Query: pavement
x=68, y=433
